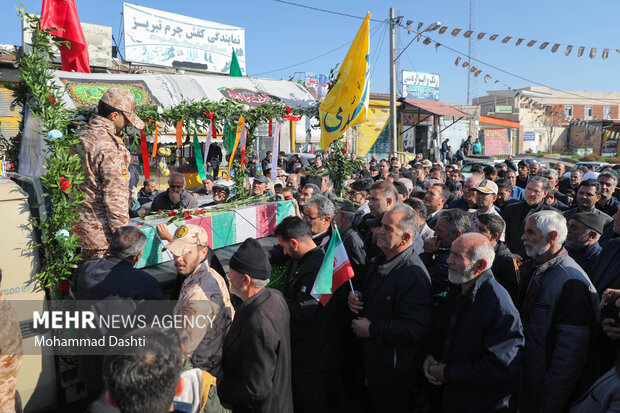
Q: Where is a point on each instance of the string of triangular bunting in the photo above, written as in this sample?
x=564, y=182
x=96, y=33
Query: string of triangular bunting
x=526, y=99
x=506, y=40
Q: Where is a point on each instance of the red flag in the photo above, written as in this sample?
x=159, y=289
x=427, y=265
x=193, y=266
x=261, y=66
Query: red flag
x=63, y=15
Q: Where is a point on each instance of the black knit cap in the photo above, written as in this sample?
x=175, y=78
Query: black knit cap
x=590, y=220
x=250, y=259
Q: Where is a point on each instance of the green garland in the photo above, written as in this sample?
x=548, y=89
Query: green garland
x=38, y=91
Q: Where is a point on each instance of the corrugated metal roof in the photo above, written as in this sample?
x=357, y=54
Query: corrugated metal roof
x=437, y=108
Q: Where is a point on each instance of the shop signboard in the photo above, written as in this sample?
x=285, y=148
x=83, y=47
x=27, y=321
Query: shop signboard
x=420, y=86
x=529, y=136
x=503, y=109
x=160, y=38
x=496, y=142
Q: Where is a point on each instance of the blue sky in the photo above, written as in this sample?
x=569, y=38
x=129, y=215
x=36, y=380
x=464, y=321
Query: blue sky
x=280, y=35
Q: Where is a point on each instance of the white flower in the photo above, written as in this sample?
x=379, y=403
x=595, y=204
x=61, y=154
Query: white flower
x=245, y=108
x=160, y=110
x=54, y=134
x=62, y=233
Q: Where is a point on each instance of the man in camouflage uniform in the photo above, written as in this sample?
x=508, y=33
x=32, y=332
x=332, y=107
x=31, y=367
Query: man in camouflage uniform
x=204, y=296
x=10, y=354
x=105, y=163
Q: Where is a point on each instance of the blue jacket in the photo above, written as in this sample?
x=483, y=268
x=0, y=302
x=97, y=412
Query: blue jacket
x=479, y=337
x=517, y=194
x=560, y=329
x=603, y=396
x=587, y=258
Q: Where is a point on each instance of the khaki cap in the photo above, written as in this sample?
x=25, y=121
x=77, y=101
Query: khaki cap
x=186, y=237
x=487, y=186
x=122, y=99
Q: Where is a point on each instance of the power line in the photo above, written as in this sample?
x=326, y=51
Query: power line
x=378, y=49
x=519, y=76
x=326, y=11
x=313, y=58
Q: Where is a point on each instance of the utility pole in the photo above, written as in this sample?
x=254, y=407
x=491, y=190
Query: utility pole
x=393, y=124
x=472, y=86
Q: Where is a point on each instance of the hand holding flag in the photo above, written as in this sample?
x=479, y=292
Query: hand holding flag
x=335, y=270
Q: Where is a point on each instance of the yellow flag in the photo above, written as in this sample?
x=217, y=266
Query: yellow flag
x=347, y=102
x=234, y=148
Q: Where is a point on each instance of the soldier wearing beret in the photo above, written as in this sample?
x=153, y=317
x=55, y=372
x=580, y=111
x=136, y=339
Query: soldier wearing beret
x=105, y=162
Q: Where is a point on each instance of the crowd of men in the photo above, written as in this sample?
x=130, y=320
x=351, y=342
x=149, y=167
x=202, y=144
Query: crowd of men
x=468, y=296
x=495, y=293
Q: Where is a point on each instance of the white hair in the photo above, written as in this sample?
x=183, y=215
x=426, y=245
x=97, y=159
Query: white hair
x=407, y=182
x=258, y=283
x=484, y=251
x=547, y=221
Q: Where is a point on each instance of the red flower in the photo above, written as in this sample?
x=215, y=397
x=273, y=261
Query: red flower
x=344, y=151
x=64, y=184
x=52, y=99
x=64, y=286
x=187, y=214
x=288, y=110
x=287, y=198
x=170, y=213
x=209, y=114
x=159, y=212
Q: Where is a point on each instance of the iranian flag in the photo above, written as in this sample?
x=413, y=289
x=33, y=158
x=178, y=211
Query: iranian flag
x=335, y=270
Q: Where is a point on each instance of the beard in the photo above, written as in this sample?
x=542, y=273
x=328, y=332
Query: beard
x=576, y=242
x=536, y=250
x=461, y=277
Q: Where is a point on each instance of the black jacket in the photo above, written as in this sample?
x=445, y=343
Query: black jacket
x=437, y=267
x=315, y=330
x=397, y=301
x=354, y=246
x=256, y=357
x=479, y=337
x=214, y=156
x=506, y=270
x=608, y=222
x=126, y=288
x=162, y=201
x=514, y=215
x=265, y=165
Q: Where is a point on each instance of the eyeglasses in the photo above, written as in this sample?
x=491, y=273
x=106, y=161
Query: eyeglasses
x=175, y=186
x=310, y=218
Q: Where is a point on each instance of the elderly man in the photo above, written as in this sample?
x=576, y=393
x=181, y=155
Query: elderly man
x=451, y=224
x=105, y=163
x=292, y=181
x=259, y=186
x=148, y=192
x=552, y=176
x=608, y=204
x=504, y=268
x=588, y=194
x=315, y=329
x=175, y=196
x=477, y=344
x=486, y=196
x=113, y=278
x=468, y=201
x=435, y=199
x=559, y=314
x=584, y=231
x=560, y=168
x=205, y=188
x=256, y=358
x=394, y=311
x=514, y=214
x=203, y=293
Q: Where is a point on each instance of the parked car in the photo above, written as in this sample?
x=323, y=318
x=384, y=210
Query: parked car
x=589, y=165
x=466, y=169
